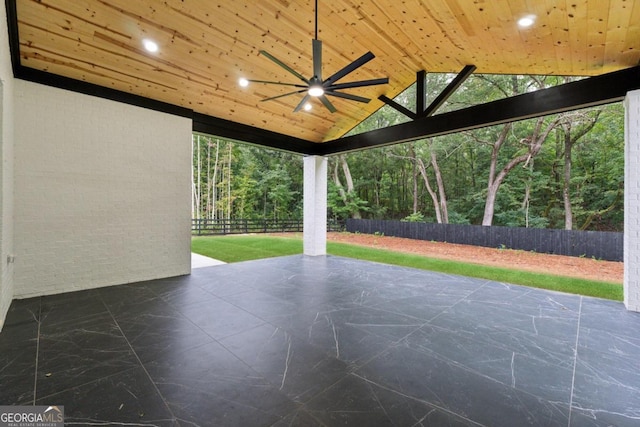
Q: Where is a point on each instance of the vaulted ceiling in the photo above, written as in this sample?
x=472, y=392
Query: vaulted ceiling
x=205, y=46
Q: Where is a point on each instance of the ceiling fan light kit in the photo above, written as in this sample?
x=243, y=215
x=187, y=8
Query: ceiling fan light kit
x=317, y=87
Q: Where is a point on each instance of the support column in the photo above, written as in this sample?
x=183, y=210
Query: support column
x=315, y=206
x=632, y=201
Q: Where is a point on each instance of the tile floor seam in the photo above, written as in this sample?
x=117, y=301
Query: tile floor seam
x=87, y=383
x=408, y=396
x=472, y=371
x=456, y=303
x=575, y=363
x=293, y=335
x=144, y=368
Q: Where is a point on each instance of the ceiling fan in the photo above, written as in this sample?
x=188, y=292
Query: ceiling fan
x=316, y=86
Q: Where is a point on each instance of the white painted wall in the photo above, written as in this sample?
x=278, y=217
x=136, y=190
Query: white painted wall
x=102, y=192
x=6, y=170
x=632, y=201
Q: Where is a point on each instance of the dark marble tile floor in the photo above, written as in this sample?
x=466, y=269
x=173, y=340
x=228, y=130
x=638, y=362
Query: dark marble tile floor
x=323, y=341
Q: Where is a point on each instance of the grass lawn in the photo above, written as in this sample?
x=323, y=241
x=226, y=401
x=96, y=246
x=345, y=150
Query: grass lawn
x=245, y=248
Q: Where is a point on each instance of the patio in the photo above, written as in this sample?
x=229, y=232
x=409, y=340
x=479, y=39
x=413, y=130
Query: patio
x=323, y=341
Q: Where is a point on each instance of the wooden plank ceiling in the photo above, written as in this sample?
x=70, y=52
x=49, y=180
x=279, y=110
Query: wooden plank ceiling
x=206, y=46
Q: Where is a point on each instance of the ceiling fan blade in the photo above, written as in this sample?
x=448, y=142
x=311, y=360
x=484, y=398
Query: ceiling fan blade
x=285, y=66
x=301, y=104
x=317, y=59
x=348, y=96
x=360, y=83
x=283, y=95
x=327, y=104
x=275, y=83
x=351, y=67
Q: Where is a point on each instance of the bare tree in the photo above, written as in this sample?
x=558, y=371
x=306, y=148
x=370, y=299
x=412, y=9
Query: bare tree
x=412, y=155
x=585, y=123
x=434, y=196
x=346, y=196
x=443, y=195
x=533, y=144
x=199, y=178
x=214, y=182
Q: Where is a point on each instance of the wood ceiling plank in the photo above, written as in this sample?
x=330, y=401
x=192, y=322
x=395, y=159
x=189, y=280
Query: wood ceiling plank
x=631, y=50
x=577, y=14
x=109, y=59
x=597, y=18
x=557, y=20
x=616, y=30
x=206, y=46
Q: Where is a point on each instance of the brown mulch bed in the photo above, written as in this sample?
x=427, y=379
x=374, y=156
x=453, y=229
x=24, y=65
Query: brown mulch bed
x=584, y=268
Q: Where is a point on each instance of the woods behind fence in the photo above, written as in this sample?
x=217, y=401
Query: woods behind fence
x=591, y=244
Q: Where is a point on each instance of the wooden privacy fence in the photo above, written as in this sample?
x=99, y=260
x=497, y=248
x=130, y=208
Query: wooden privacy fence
x=591, y=244
x=208, y=227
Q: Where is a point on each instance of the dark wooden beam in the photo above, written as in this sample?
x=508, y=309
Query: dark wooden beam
x=244, y=133
x=421, y=91
x=400, y=108
x=448, y=91
x=61, y=82
x=14, y=36
x=421, y=94
x=603, y=89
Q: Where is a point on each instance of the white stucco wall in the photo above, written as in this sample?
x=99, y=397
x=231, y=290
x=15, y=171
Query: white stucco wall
x=6, y=170
x=315, y=206
x=102, y=192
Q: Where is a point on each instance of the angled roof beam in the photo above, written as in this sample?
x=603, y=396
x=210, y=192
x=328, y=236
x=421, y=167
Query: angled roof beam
x=603, y=89
x=400, y=108
x=421, y=94
x=421, y=91
x=448, y=91
x=420, y=97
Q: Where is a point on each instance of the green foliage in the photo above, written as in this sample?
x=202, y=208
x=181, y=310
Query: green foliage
x=234, y=180
x=338, y=209
x=243, y=248
x=457, y=218
x=258, y=183
x=414, y=217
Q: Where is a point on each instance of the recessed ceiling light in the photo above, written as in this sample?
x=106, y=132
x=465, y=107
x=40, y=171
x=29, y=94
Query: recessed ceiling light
x=243, y=82
x=150, y=45
x=526, y=21
x=307, y=106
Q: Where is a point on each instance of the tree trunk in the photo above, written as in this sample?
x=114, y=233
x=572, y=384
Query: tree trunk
x=193, y=183
x=569, y=142
x=412, y=154
x=355, y=213
x=527, y=197
x=441, y=192
x=209, y=203
x=229, y=183
x=336, y=181
x=493, y=184
x=534, y=144
x=434, y=196
x=198, y=198
x=214, y=186
x=566, y=186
